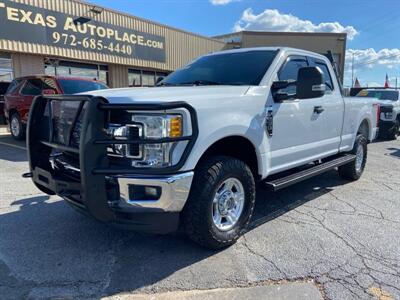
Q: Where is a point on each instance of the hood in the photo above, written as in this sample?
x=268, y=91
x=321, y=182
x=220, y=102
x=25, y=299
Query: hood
x=385, y=102
x=189, y=94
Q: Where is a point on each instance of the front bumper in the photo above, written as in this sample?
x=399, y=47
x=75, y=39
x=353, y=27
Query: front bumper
x=172, y=195
x=93, y=183
x=155, y=215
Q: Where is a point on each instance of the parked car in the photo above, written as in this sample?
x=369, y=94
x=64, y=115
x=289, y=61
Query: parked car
x=191, y=150
x=22, y=91
x=3, y=89
x=389, y=100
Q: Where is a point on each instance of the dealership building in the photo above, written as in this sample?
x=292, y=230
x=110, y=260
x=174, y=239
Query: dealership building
x=75, y=38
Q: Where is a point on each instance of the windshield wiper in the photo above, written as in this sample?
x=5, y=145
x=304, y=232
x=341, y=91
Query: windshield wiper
x=165, y=84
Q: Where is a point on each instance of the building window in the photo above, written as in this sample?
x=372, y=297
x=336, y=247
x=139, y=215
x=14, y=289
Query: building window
x=76, y=69
x=135, y=77
x=144, y=78
x=148, y=78
x=237, y=38
x=6, y=68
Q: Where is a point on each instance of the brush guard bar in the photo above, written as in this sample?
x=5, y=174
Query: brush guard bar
x=94, y=187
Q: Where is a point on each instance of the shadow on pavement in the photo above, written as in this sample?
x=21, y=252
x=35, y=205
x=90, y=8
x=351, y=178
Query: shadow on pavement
x=46, y=241
x=11, y=149
x=271, y=205
x=395, y=152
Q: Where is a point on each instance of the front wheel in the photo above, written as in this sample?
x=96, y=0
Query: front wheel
x=354, y=170
x=17, y=129
x=221, y=202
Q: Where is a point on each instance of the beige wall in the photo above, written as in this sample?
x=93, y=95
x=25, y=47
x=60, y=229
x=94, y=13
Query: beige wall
x=317, y=42
x=117, y=76
x=27, y=64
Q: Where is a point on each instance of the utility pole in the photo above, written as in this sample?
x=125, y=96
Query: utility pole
x=396, y=83
x=352, y=71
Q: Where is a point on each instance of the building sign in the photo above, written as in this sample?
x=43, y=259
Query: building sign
x=25, y=23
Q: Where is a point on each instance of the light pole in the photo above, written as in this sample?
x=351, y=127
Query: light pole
x=352, y=71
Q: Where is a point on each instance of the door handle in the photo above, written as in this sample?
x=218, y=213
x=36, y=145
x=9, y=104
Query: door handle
x=318, y=109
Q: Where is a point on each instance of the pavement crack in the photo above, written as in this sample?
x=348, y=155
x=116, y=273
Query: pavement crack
x=251, y=250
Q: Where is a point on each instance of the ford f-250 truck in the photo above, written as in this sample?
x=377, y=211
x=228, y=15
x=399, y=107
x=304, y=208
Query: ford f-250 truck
x=192, y=149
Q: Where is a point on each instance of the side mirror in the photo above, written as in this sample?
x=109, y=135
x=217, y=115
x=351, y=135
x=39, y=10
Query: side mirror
x=278, y=85
x=310, y=83
x=48, y=92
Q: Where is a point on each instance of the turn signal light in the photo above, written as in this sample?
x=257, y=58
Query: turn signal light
x=175, y=127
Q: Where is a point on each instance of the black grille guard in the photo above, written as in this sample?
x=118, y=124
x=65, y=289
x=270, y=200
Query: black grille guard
x=94, y=164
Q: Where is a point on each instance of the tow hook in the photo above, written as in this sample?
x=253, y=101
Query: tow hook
x=27, y=175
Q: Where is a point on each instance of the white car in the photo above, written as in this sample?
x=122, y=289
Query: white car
x=192, y=150
x=389, y=101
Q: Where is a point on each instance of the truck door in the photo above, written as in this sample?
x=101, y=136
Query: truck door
x=297, y=124
x=333, y=109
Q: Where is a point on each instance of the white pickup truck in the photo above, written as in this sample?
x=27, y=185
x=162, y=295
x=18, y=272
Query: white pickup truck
x=191, y=150
x=389, y=102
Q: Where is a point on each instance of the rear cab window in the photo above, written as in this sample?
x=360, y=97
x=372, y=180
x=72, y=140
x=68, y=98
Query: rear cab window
x=380, y=94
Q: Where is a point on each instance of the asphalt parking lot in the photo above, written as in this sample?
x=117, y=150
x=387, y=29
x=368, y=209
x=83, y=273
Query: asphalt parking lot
x=340, y=238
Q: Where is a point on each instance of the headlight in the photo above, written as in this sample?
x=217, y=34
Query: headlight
x=151, y=127
x=388, y=115
x=160, y=126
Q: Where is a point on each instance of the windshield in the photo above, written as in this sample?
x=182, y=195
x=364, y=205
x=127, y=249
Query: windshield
x=381, y=95
x=73, y=86
x=240, y=68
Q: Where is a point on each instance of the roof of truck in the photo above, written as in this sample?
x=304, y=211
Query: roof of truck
x=285, y=49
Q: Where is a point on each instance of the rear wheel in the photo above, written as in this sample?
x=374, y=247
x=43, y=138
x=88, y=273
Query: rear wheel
x=394, y=131
x=354, y=170
x=221, y=202
x=17, y=129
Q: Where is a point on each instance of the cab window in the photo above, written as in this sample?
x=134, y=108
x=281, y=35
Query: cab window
x=290, y=71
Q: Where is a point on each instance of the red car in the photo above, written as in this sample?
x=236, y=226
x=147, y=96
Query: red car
x=23, y=90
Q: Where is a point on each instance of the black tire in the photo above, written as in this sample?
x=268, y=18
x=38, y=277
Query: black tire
x=394, y=131
x=17, y=133
x=350, y=171
x=197, y=215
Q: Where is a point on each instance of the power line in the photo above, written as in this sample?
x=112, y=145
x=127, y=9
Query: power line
x=375, y=60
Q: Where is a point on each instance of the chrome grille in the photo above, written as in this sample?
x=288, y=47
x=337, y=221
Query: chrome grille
x=130, y=132
x=386, y=109
x=134, y=150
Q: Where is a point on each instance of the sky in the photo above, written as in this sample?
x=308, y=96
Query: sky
x=372, y=26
